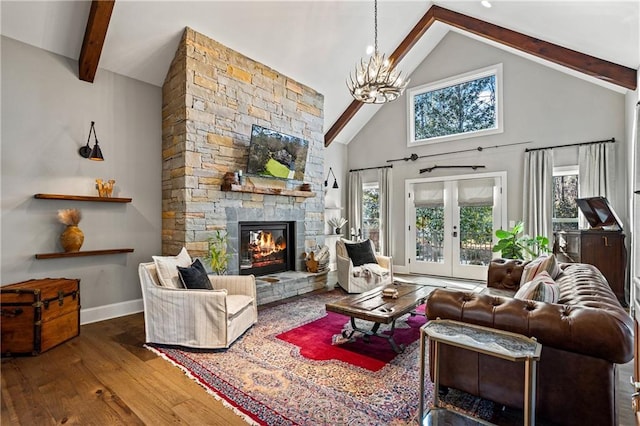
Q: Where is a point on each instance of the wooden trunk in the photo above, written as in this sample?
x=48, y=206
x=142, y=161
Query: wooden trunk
x=39, y=314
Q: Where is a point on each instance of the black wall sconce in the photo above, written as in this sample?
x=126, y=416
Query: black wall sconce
x=87, y=152
x=335, y=181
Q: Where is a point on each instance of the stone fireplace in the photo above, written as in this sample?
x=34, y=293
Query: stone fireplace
x=212, y=96
x=266, y=247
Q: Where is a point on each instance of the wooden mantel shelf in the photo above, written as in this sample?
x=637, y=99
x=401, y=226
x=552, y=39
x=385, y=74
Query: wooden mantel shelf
x=82, y=198
x=82, y=253
x=268, y=191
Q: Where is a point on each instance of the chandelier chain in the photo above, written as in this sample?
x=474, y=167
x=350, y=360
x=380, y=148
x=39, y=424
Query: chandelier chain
x=375, y=26
x=376, y=80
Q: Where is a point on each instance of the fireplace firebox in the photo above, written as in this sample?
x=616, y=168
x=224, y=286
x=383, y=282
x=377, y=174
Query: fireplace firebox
x=266, y=247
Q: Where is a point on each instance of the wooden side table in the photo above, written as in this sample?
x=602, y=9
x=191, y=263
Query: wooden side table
x=484, y=340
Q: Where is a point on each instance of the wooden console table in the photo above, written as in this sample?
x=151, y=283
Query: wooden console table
x=488, y=341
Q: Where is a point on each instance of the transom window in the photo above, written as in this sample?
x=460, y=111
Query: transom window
x=463, y=106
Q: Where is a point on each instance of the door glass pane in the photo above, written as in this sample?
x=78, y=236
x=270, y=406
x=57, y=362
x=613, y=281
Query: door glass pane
x=476, y=232
x=430, y=233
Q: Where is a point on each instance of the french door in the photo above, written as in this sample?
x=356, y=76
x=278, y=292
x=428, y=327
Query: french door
x=451, y=223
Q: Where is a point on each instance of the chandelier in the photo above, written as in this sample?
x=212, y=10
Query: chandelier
x=376, y=81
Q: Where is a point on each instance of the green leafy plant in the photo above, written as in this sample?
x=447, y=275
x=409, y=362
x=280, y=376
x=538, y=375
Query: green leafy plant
x=218, y=256
x=513, y=245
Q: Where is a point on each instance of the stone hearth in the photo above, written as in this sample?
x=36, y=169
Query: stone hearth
x=273, y=287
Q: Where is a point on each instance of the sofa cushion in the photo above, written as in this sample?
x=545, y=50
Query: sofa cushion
x=536, y=266
x=541, y=288
x=361, y=253
x=195, y=276
x=167, y=268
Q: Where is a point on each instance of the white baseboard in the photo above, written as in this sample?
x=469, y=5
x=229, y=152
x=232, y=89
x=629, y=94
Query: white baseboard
x=101, y=313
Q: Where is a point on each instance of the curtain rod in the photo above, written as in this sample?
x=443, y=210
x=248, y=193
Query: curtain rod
x=371, y=168
x=612, y=140
x=414, y=156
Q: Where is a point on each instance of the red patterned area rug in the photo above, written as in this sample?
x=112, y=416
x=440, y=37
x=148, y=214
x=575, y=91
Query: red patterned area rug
x=269, y=381
x=317, y=340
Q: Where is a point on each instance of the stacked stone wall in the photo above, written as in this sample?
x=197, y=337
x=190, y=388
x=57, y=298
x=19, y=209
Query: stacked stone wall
x=212, y=95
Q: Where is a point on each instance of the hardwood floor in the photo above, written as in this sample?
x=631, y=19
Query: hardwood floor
x=105, y=376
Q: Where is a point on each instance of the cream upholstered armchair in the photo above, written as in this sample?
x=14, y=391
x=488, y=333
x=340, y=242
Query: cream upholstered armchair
x=199, y=318
x=357, y=277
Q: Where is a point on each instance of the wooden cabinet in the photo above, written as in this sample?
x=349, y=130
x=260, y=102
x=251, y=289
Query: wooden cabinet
x=603, y=249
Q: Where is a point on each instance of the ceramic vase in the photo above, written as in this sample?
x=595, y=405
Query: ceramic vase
x=72, y=238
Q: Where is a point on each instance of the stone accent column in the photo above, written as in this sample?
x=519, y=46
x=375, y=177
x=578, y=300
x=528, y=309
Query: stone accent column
x=212, y=96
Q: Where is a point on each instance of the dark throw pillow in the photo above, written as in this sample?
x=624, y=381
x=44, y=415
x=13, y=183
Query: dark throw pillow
x=361, y=253
x=195, y=276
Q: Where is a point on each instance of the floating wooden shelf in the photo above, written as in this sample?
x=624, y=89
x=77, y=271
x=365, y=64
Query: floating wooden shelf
x=268, y=191
x=82, y=198
x=82, y=253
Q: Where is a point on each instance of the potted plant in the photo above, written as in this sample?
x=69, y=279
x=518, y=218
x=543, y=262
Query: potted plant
x=513, y=245
x=218, y=256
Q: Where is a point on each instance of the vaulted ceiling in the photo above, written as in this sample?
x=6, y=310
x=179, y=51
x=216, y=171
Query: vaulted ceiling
x=318, y=42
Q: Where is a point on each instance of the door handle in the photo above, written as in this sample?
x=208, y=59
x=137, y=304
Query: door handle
x=454, y=234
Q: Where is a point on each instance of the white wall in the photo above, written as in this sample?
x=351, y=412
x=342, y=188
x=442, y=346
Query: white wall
x=46, y=115
x=335, y=156
x=541, y=105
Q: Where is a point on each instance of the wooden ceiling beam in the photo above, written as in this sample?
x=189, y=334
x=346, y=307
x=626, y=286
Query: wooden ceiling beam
x=94, y=36
x=403, y=48
x=590, y=65
x=577, y=61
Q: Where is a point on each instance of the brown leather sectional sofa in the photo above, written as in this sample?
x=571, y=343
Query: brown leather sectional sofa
x=583, y=337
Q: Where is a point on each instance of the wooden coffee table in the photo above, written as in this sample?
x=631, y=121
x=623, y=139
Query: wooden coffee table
x=372, y=306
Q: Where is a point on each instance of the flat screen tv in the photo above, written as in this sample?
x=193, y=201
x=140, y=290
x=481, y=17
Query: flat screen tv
x=275, y=154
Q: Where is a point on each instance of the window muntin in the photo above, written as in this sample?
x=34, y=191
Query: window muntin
x=565, y=193
x=459, y=107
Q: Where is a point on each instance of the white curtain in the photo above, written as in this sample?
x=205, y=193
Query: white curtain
x=595, y=164
x=354, y=201
x=384, y=180
x=538, y=193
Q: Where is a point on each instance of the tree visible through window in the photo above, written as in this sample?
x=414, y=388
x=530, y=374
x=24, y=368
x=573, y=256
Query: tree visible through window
x=476, y=235
x=565, y=193
x=459, y=106
x=371, y=213
x=430, y=234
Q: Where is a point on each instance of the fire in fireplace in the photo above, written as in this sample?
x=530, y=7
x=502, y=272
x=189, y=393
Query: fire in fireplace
x=266, y=247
